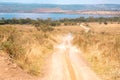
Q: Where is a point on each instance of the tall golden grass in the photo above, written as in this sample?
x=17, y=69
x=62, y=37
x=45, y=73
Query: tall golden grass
x=30, y=48
x=102, y=50
x=27, y=47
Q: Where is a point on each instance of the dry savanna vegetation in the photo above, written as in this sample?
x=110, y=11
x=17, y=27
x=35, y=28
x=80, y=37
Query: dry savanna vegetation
x=27, y=46
x=30, y=46
x=101, y=48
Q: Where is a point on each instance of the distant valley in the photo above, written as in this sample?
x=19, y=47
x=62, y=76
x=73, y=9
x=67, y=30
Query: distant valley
x=108, y=9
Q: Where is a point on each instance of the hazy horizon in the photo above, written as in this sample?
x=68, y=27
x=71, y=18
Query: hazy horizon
x=63, y=2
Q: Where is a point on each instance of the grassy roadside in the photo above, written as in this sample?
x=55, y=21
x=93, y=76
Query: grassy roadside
x=102, y=50
x=30, y=48
x=27, y=47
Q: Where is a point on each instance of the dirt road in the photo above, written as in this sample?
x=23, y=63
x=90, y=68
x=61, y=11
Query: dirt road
x=67, y=63
x=86, y=29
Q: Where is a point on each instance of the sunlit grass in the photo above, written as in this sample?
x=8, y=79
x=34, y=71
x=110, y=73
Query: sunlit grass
x=27, y=47
x=102, y=50
x=30, y=48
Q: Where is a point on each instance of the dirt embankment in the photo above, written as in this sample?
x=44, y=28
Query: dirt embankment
x=10, y=71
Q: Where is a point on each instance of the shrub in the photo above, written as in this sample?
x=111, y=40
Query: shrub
x=105, y=23
x=43, y=27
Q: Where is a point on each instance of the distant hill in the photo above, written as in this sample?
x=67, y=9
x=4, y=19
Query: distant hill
x=31, y=8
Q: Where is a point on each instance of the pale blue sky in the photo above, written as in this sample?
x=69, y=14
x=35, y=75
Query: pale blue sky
x=65, y=1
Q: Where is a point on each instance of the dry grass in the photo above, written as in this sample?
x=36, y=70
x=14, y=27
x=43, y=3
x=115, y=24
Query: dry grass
x=27, y=47
x=102, y=49
x=30, y=48
x=109, y=28
x=69, y=29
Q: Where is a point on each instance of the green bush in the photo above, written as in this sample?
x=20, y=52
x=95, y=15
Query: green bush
x=43, y=27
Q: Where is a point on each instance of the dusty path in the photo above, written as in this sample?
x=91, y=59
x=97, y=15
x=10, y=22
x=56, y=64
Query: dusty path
x=67, y=63
x=86, y=29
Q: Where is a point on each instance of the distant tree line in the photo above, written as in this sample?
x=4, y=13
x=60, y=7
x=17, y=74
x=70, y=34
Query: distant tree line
x=65, y=21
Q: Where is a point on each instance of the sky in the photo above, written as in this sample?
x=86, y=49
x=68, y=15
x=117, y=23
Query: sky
x=65, y=1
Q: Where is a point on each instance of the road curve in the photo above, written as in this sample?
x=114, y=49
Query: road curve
x=67, y=63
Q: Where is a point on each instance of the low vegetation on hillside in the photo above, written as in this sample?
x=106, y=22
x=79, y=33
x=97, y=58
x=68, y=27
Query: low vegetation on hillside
x=65, y=21
x=27, y=47
x=102, y=50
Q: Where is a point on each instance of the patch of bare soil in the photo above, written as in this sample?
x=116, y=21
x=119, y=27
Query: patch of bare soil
x=10, y=71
